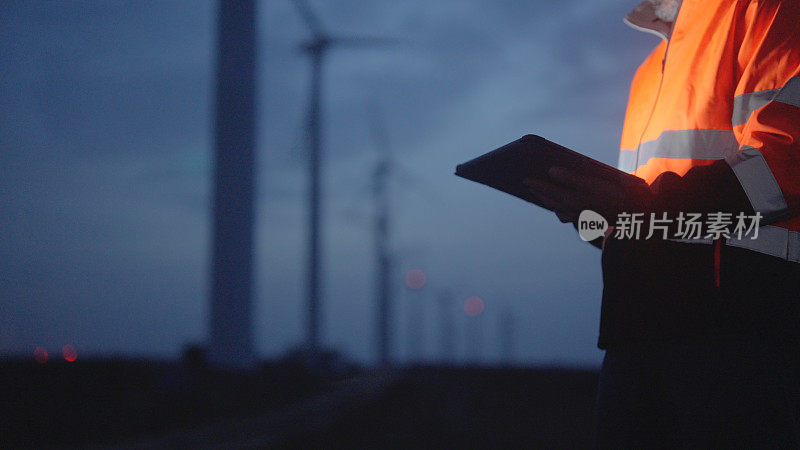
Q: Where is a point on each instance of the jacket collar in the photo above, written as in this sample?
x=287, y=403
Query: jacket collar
x=643, y=18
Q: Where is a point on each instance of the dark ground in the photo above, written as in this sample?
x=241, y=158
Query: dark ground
x=476, y=408
x=168, y=405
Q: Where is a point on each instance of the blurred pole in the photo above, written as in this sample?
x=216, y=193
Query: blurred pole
x=416, y=317
x=506, y=336
x=314, y=200
x=446, y=327
x=474, y=336
x=384, y=263
x=231, y=342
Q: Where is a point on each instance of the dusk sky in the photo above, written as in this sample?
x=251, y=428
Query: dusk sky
x=105, y=150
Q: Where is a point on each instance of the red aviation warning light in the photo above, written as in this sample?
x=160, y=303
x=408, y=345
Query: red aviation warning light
x=415, y=279
x=473, y=306
x=40, y=355
x=69, y=352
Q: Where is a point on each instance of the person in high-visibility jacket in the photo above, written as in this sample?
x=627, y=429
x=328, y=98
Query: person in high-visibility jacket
x=702, y=334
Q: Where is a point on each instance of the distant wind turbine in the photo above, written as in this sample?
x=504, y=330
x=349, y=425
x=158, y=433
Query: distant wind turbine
x=316, y=48
x=387, y=171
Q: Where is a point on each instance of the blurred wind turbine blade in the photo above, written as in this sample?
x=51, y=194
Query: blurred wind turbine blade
x=413, y=254
x=418, y=183
x=387, y=166
x=309, y=17
x=378, y=127
x=353, y=214
x=358, y=41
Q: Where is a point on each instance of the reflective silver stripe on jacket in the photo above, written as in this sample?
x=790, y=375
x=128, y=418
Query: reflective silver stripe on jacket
x=772, y=240
x=627, y=161
x=758, y=183
x=790, y=93
x=681, y=144
x=746, y=104
x=694, y=144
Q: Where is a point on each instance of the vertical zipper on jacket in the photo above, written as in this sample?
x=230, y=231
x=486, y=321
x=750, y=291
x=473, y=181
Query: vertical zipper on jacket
x=649, y=118
x=653, y=109
x=666, y=51
x=658, y=92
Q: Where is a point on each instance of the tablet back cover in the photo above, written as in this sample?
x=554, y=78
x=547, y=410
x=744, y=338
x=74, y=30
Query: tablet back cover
x=532, y=156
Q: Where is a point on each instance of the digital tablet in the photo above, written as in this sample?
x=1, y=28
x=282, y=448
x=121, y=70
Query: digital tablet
x=532, y=156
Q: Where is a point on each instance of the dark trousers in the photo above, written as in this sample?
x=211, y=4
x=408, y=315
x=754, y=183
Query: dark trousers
x=721, y=393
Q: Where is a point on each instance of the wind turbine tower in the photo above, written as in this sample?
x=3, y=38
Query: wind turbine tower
x=383, y=170
x=317, y=48
x=231, y=340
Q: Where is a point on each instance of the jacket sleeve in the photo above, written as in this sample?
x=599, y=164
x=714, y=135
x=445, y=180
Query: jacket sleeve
x=766, y=113
x=703, y=189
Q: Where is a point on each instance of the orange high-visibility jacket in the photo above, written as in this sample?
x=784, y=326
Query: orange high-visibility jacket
x=725, y=84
